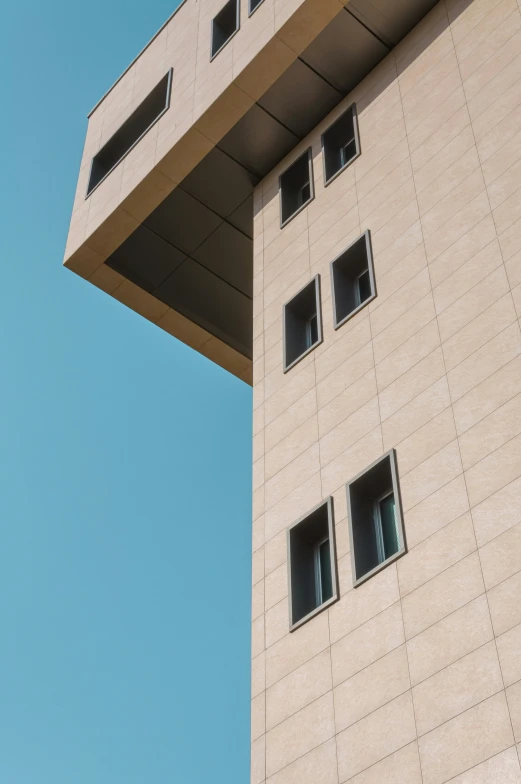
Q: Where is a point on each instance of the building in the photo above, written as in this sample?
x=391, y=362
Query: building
x=325, y=199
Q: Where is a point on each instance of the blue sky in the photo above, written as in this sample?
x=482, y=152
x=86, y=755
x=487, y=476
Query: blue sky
x=125, y=497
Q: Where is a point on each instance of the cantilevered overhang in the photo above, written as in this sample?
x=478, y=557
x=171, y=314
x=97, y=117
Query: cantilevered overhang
x=178, y=248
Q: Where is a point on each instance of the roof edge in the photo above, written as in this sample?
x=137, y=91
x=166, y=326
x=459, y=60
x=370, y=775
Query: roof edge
x=136, y=58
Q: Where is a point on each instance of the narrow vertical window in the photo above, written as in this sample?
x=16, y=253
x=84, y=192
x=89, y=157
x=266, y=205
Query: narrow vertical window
x=386, y=528
x=363, y=287
x=224, y=26
x=340, y=144
x=323, y=578
x=352, y=280
x=375, y=519
x=301, y=319
x=312, y=331
x=312, y=564
x=296, y=187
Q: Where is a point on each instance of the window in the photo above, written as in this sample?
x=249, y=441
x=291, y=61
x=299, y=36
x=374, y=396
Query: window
x=127, y=136
x=296, y=187
x=323, y=576
x=352, y=279
x=224, y=26
x=312, y=564
x=254, y=4
x=302, y=326
x=340, y=144
x=375, y=518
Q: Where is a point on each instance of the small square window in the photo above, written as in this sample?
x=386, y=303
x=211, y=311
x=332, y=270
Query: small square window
x=375, y=518
x=312, y=564
x=254, y=4
x=352, y=279
x=296, y=187
x=224, y=26
x=340, y=144
x=302, y=323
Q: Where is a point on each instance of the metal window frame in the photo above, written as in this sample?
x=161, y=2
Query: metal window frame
x=318, y=569
x=358, y=152
x=285, y=366
x=400, y=528
x=328, y=502
x=237, y=28
x=358, y=296
x=309, y=153
x=250, y=11
x=372, y=280
x=377, y=516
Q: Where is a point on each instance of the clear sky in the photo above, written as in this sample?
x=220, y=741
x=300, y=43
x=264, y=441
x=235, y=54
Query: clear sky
x=125, y=496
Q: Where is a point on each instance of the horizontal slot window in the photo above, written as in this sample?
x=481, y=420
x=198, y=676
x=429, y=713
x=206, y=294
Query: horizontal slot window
x=127, y=136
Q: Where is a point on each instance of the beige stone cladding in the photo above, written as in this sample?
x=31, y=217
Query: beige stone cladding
x=414, y=677
x=208, y=97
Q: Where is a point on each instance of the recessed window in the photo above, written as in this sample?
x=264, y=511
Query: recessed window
x=127, y=136
x=312, y=564
x=254, y=4
x=375, y=518
x=352, y=279
x=302, y=323
x=340, y=144
x=224, y=26
x=296, y=187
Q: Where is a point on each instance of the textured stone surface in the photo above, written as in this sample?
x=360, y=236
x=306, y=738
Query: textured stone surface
x=425, y=655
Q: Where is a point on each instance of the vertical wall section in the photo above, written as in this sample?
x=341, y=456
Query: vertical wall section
x=414, y=677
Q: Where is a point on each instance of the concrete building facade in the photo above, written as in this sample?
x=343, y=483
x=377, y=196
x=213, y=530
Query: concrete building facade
x=393, y=656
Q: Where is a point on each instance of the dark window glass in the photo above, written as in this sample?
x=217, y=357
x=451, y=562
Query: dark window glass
x=388, y=533
x=312, y=331
x=295, y=187
x=340, y=144
x=376, y=527
x=224, y=26
x=352, y=279
x=364, y=286
x=311, y=562
x=302, y=328
x=326, y=582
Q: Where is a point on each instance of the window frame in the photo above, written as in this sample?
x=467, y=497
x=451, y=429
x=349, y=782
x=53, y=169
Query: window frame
x=250, y=11
x=318, y=569
x=90, y=191
x=328, y=502
x=350, y=108
x=372, y=280
x=237, y=28
x=377, y=514
x=320, y=336
x=358, y=296
x=400, y=528
x=309, y=153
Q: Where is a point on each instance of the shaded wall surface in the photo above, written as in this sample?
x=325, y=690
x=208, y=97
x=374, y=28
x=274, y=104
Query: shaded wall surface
x=414, y=676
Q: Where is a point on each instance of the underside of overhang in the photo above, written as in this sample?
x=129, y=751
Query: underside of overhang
x=194, y=252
